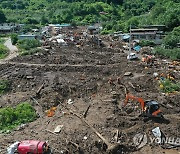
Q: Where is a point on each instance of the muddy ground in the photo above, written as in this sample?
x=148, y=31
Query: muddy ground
x=84, y=75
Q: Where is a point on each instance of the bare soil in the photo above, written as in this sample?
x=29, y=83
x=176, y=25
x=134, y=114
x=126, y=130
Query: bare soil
x=83, y=75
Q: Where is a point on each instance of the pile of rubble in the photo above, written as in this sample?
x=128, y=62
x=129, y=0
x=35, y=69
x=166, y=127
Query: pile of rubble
x=78, y=90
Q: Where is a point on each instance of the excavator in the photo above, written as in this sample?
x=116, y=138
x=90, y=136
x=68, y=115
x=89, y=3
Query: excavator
x=148, y=59
x=150, y=109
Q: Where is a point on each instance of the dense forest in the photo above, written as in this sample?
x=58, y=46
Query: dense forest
x=114, y=15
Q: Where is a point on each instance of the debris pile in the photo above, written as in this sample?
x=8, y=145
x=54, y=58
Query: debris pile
x=78, y=89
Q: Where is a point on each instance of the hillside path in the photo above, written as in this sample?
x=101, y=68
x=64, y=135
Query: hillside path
x=13, y=51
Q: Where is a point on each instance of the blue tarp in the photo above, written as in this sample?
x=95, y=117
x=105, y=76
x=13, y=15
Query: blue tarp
x=137, y=48
x=65, y=25
x=60, y=25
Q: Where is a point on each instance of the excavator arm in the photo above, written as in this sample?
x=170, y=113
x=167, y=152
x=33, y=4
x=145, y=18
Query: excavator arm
x=139, y=99
x=149, y=108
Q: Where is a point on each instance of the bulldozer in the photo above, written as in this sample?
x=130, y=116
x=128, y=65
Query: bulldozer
x=149, y=109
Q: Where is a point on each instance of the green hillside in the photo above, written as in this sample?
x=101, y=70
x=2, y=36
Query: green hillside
x=118, y=14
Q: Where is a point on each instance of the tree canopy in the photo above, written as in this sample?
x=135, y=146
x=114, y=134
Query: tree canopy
x=118, y=14
x=2, y=17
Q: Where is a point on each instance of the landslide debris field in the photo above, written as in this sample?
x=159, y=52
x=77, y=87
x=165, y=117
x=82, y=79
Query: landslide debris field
x=87, y=81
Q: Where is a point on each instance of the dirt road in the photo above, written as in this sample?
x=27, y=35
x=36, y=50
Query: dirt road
x=12, y=51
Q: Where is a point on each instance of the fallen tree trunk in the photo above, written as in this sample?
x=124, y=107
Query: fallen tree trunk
x=39, y=90
x=85, y=113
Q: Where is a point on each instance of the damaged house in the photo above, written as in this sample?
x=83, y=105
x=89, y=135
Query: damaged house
x=151, y=34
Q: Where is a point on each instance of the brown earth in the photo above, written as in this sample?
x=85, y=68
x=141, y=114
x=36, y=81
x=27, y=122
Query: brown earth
x=83, y=74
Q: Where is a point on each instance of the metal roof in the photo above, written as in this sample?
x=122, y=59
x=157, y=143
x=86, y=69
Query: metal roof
x=145, y=29
x=143, y=33
x=26, y=35
x=6, y=27
x=60, y=25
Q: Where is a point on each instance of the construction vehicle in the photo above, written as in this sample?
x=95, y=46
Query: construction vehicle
x=150, y=109
x=29, y=147
x=148, y=59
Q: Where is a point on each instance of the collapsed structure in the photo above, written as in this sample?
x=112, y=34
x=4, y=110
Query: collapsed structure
x=78, y=91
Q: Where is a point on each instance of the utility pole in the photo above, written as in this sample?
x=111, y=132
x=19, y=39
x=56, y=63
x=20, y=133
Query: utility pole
x=130, y=41
x=98, y=32
x=103, y=13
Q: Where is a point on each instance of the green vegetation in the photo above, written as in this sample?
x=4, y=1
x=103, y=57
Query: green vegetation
x=118, y=14
x=4, y=86
x=29, y=52
x=28, y=44
x=172, y=39
x=4, y=35
x=2, y=17
x=3, y=49
x=169, y=86
x=28, y=47
x=170, y=43
x=12, y=117
x=114, y=15
x=2, y=41
x=14, y=38
x=146, y=43
x=173, y=54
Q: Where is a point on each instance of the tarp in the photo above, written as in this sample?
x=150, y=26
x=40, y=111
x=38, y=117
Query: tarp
x=12, y=148
x=157, y=132
x=137, y=48
x=60, y=25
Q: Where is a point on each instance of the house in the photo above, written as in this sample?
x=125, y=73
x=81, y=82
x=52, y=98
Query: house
x=27, y=36
x=8, y=28
x=59, y=26
x=151, y=34
x=55, y=29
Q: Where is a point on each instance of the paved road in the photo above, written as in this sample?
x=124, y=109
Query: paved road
x=13, y=51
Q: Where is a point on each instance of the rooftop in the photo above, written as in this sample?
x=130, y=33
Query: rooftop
x=5, y=28
x=143, y=32
x=144, y=29
x=154, y=26
x=26, y=35
x=60, y=25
